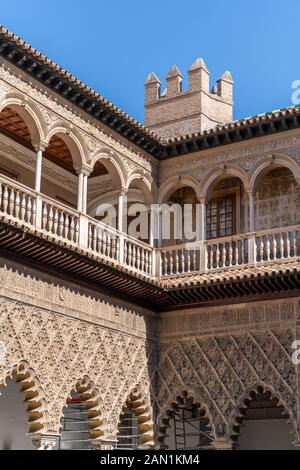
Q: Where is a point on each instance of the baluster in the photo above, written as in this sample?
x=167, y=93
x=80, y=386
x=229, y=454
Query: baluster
x=1, y=193
x=281, y=246
x=34, y=209
x=61, y=224
x=50, y=219
x=118, y=249
x=224, y=249
x=236, y=254
x=188, y=261
x=230, y=254
x=105, y=243
x=176, y=262
x=268, y=248
x=17, y=205
x=149, y=263
x=274, y=247
x=72, y=228
x=218, y=255
x=211, y=256
x=76, y=230
x=165, y=263
x=90, y=243
x=11, y=203
x=129, y=248
x=242, y=251
x=53, y=214
x=183, y=261
x=23, y=207
x=44, y=216
x=288, y=245
x=28, y=210
x=67, y=226
x=100, y=245
x=5, y=199
x=171, y=262
x=255, y=250
x=261, y=249
x=142, y=259
x=108, y=239
x=113, y=247
x=294, y=244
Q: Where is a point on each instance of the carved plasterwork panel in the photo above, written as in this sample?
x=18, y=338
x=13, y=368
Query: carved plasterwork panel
x=61, y=351
x=244, y=156
x=218, y=370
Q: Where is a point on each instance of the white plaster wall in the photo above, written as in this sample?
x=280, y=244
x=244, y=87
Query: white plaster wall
x=13, y=419
x=266, y=435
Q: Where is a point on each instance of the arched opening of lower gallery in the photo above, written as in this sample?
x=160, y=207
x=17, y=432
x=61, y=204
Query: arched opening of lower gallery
x=13, y=419
x=188, y=426
x=264, y=424
x=128, y=431
x=75, y=434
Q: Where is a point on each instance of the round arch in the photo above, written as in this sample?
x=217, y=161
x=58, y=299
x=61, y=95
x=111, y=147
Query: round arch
x=113, y=165
x=144, y=185
x=265, y=165
x=217, y=175
x=37, y=408
x=166, y=413
x=72, y=141
x=171, y=185
x=30, y=115
x=235, y=420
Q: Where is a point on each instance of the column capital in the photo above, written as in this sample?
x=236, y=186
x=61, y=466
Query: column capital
x=86, y=170
x=123, y=191
x=40, y=146
x=45, y=441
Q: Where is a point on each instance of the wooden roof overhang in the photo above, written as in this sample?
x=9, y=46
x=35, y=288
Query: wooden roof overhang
x=36, y=65
x=61, y=260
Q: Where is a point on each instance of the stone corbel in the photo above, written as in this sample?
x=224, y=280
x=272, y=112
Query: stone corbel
x=45, y=441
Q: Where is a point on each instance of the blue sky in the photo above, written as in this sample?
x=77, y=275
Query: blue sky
x=113, y=45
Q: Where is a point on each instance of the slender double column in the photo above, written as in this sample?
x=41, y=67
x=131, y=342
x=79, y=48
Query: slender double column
x=122, y=217
x=83, y=175
x=251, y=242
x=201, y=233
x=82, y=191
x=40, y=148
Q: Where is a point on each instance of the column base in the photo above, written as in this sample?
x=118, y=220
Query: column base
x=45, y=441
x=108, y=443
x=220, y=444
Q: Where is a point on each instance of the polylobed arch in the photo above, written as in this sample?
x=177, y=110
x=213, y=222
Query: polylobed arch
x=92, y=402
x=265, y=165
x=137, y=403
x=217, y=175
x=236, y=418
x=37, y=408
x=166, y=414
x=113, y=165
x=29, y=113
x=171, y=185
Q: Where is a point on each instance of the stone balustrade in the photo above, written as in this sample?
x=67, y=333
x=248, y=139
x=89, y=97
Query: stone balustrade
x=24, y=207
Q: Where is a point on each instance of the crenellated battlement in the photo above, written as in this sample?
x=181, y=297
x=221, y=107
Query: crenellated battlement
x=175, y=113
